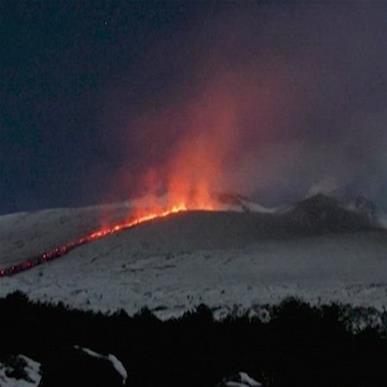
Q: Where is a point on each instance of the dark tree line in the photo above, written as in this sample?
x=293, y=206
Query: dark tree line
x=301, y=345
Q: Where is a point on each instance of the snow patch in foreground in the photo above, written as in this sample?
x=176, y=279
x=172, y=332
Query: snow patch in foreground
x=31, y=369
x=117, y=365
x=241, y=379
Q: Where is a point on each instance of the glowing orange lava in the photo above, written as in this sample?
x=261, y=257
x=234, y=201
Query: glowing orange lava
x=59, y=251
x=146, y=217
x=187, y=178
x=154, y=210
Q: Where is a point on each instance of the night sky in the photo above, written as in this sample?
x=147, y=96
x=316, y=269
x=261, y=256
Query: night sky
x=95, y=94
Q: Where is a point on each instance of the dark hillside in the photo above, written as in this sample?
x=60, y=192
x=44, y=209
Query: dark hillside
x=300, y=346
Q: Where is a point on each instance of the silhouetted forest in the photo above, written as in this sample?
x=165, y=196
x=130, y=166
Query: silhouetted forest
x=300, y=345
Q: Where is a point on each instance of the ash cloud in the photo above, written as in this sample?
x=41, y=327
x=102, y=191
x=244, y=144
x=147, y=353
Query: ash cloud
x=306, y=88
x=99, y=103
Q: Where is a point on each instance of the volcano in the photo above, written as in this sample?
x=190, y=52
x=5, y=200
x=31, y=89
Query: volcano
x=316, y=249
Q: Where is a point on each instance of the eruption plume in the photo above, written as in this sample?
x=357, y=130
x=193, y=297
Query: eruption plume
x=193, y=172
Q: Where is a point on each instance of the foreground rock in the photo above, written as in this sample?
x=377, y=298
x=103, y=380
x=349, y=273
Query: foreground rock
x=19, y=371
x=241, y=379
x=78, y=366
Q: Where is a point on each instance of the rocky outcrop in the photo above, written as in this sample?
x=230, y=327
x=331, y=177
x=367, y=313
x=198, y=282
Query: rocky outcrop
x=77, y=366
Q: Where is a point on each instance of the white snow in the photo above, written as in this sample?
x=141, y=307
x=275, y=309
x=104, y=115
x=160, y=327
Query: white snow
x=174, y=264
x=117, y=365
x=242, y=379
x=32, y=369
x=245, y=378
x=27, y=234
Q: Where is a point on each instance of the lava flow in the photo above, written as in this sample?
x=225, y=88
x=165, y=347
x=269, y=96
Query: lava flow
x=141, y=217
x=187, y=190
x=193, y=170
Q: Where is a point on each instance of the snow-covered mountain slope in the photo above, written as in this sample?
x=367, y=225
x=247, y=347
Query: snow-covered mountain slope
x=316, y=250
x=27, y=234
